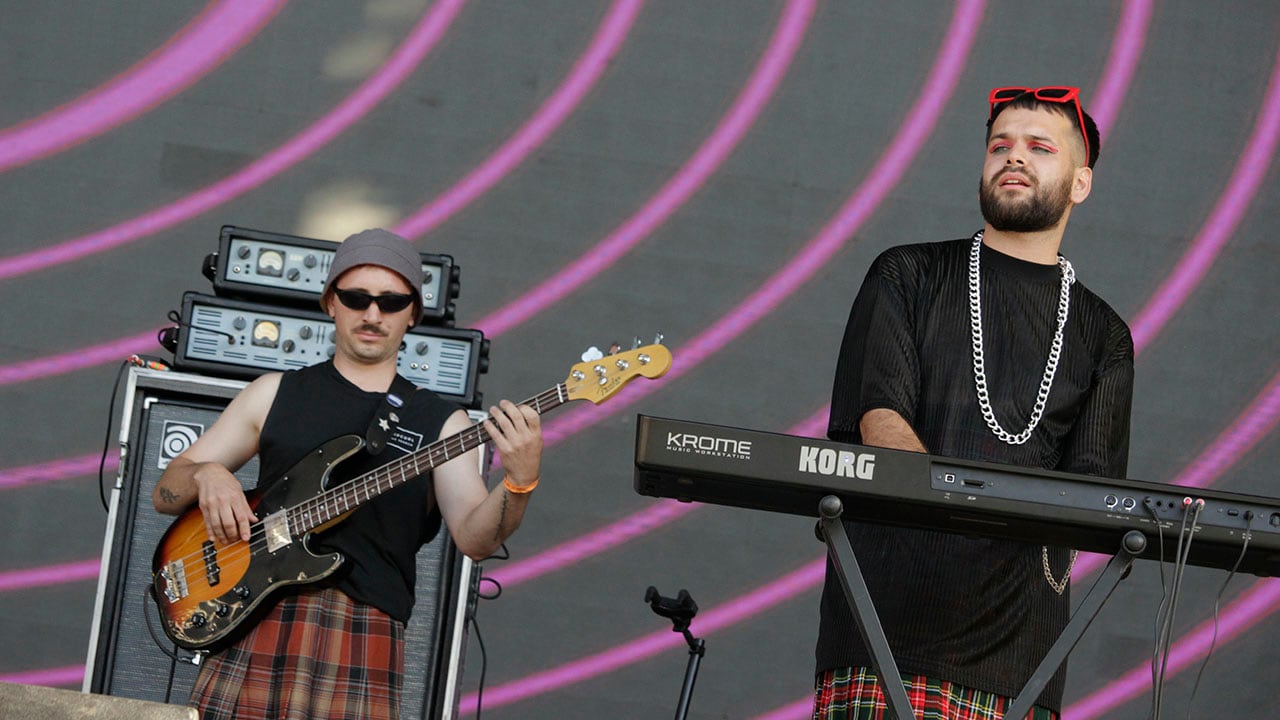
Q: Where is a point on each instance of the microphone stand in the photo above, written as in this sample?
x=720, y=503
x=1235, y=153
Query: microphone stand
x=681, y=611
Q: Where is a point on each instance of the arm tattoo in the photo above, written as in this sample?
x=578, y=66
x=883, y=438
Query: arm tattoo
x=169, y=496
x=502, y=516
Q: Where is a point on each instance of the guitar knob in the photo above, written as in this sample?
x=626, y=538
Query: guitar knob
x=223, y=610
x=242, y=591
x=198, y=620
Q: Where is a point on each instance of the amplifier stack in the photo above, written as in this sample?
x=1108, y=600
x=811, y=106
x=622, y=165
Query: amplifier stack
x=264, y=317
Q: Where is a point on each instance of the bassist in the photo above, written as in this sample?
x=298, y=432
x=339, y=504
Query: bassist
x=337, y=651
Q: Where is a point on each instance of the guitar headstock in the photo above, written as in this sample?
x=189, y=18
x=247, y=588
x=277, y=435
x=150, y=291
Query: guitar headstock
x=599, y=378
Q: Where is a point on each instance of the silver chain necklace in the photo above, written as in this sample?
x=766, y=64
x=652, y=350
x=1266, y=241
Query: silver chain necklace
x=979, y=369
x=1046, y=383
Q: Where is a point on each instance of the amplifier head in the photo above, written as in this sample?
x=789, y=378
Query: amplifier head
x=240, y=339
x=254, y=264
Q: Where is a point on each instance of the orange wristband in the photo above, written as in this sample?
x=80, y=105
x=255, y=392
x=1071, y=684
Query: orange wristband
x=518, y=489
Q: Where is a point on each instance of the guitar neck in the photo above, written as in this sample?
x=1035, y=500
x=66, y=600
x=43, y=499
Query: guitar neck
x=340, y=500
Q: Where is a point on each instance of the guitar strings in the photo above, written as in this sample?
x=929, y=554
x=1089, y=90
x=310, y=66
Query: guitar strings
x=234, y=551
x=431, y=456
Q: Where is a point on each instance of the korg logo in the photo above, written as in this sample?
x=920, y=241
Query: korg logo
x=825, y=461
x=707, y=445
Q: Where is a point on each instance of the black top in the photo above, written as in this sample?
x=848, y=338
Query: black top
x=382, y=537
x=975, y=611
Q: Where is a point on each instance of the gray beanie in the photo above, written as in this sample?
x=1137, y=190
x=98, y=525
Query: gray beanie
x=384, y=249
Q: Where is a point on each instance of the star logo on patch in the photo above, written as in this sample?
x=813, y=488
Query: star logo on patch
x=382, y=423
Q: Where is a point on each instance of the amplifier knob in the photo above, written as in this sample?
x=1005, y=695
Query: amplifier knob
x=239, y=323
x=329, y=351
x=421, y=348
x=310, y=261
x=427, y=276
x=304, y=332
x=243, y=252
x=287, y=346
x=294, y=274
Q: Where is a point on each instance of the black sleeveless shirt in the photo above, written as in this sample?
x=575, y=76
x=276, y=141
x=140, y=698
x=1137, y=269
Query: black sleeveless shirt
x=381, y=539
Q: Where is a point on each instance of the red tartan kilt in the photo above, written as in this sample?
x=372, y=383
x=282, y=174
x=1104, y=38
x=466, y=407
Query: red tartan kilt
x=855, y=694
x=318, y=654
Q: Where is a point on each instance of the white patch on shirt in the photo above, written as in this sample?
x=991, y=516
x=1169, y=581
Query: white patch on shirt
x=406, y=440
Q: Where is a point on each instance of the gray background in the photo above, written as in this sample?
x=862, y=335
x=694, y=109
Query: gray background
x=1185, y=124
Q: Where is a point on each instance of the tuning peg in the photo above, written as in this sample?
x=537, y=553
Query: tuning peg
x=636, y=342
x=657, y=338
x=614, y=348
x=592, y=353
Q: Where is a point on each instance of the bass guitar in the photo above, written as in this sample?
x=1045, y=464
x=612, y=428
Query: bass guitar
x=209, y=594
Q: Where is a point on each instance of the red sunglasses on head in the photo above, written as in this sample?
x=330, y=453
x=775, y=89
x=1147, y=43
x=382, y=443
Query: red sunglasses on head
x=1000, y=96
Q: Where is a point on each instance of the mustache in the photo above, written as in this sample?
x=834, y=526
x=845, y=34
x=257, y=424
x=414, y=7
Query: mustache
x=1023, y=172
x=366, y=327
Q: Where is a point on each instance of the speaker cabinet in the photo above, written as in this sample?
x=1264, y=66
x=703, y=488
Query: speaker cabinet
x=162, y=414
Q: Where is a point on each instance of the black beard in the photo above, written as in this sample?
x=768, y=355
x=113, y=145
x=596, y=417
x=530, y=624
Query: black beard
x=1042, y=211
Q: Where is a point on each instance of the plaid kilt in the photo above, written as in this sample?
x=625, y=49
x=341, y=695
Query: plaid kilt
x=855, y=694
x=318, y=654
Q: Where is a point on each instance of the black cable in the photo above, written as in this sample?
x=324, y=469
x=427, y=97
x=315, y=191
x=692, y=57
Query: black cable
x=173, y=670
x=172, y=655
x=506, y=554
x=106, y=441
x=1163, y=622
x=1161, y=616
x=475, y=625
x=1164, y=592
x=174, y=317
x=1181, y=569
x=1217, y=604
x=497, y=592
x=1175, y=590
x=484, y=664
x=475, y=610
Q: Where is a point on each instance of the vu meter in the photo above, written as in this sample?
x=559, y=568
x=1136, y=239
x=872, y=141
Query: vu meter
x=266, y=333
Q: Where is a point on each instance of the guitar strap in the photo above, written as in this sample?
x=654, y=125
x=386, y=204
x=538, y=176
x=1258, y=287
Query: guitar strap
x=385, y=418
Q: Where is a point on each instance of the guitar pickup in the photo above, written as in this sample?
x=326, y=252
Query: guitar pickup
x=211, y=569
x=276, y=527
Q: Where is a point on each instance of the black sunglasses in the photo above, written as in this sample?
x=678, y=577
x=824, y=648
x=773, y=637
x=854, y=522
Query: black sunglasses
x=359, y=300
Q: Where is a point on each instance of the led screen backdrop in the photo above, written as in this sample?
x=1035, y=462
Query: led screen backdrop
x=721, y=172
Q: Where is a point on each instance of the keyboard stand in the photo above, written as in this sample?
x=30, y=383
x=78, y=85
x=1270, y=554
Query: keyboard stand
x=840, y=551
